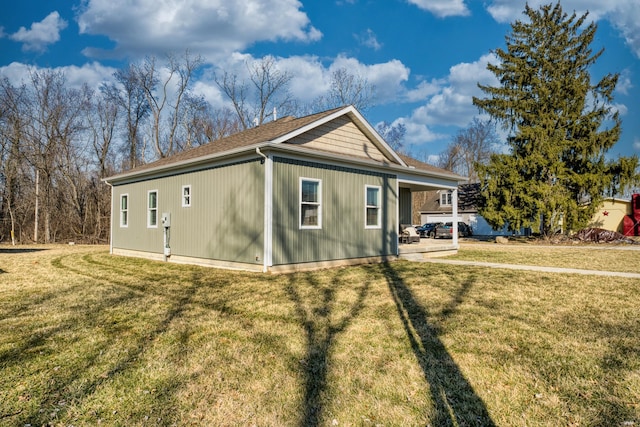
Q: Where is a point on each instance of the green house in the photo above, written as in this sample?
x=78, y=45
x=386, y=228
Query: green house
x=295, y=193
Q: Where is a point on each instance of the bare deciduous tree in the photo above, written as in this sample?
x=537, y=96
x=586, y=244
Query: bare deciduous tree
x=265, y=91
x=55, y=120
x=471, y=146
x=346, y=88
x=392, y=134
x=130, y=97
x=12, y=123
x=165, y=94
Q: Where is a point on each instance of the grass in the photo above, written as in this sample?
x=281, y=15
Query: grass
x=588, y=257
x=89, y=338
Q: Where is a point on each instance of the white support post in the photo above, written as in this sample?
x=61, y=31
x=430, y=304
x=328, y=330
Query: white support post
x=454, y=220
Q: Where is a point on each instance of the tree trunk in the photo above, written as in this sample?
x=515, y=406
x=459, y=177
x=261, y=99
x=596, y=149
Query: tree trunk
x=36, y=213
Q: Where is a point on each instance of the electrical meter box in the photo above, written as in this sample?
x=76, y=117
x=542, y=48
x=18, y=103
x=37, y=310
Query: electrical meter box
x=166, y=219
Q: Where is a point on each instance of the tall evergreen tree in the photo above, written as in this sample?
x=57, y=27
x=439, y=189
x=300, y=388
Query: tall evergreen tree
x=561, y=126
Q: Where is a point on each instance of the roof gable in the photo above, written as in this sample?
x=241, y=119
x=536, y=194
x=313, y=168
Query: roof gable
x=468, y=200
x=343, y=131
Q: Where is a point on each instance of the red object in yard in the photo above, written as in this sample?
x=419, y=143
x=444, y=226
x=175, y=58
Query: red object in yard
x=631, y=223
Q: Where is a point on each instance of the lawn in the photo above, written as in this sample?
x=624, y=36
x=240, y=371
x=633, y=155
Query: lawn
x=88, y=338
x=607, y=257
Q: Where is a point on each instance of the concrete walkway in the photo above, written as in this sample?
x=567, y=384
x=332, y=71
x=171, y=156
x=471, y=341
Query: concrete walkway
x=528, y=267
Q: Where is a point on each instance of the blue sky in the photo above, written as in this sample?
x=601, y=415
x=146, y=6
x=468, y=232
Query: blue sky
x=425, y=57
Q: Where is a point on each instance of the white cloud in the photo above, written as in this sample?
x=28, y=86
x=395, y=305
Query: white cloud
x=624, y=15
x=41, y=34
x=443, y=8
x=452, y=105
x=424, y=90
x=212, y=28
x=92, y=74
x=369, y=39
x=620, y=108
x=418, y=133
x=387, y=77
x=312, y=77
x=624, y=82
x=447, y=101
x=636, y=144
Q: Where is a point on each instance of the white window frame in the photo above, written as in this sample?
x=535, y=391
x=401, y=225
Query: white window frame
x=446, y=198
x=367, y=206
x=124, y=213
x=150, y=209
x=186, y=198
x=318, y=204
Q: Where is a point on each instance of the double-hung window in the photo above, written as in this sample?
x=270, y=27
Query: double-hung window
x=445, y=198
x=310, y=203
x=372, y=206
x=124, y=210
x=152, y=208
x=186, y=196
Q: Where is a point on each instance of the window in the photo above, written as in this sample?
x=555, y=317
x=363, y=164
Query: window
x=445, y=199
x=372, y=207
x=152, y=208
x=310, y=203
x=124, y=210
x=186, y=196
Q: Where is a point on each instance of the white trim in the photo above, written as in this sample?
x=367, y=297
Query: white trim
x=445, y=179
x=447, y=194
x=149, y=209
x=378, y=207
x=267, y=258
x=111, y=220
x=182, y=196
x=121, y=211
x=318, y=203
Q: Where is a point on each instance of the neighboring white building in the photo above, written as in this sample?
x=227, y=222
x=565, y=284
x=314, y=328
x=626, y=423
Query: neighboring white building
x=438, y=208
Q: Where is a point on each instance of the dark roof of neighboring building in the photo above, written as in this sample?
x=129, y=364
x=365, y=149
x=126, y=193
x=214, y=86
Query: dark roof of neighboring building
x=411, y=162
x=468, y=200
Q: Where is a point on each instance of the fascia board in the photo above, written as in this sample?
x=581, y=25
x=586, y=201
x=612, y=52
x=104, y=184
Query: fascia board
x=405, y=173
x=189, y=163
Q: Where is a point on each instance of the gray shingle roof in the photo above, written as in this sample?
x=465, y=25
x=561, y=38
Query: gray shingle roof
x=265, y=133
x=256, y=135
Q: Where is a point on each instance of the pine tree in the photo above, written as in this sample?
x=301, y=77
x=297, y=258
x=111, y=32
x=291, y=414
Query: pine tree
x=561, y=126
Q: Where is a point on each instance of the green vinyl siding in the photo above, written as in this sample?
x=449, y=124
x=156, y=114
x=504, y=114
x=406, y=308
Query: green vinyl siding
x=343, y=233
x=405, y=206
x=224, y=220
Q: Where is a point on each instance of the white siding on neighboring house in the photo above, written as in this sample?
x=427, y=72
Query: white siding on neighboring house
x=478, y=224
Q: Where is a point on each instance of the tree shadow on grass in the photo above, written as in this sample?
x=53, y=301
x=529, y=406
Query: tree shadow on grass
x=74, y=382
x=321, y=327
x=456, y=403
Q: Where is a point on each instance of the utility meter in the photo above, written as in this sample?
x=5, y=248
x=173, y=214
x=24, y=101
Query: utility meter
x=166, y=219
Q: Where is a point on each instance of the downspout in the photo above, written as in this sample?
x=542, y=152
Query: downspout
x=110, y=220
x=267, y=259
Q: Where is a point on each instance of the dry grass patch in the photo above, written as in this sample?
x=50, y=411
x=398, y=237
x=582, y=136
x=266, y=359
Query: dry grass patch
x=606, y=257
x=89, y=338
